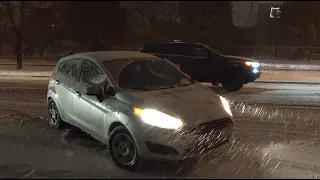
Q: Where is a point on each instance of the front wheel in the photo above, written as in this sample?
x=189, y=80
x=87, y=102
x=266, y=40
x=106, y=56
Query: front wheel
x=123, y=150
x=233, y=86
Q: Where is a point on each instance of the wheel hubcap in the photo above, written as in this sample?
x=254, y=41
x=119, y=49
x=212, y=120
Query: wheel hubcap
x=124, y=149
x=53, y=114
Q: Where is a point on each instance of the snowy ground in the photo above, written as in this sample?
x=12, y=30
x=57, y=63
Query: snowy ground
x=273, y=139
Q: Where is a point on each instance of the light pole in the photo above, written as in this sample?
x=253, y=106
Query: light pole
x=275, y=13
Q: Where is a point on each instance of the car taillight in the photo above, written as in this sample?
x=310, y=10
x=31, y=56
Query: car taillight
x=50, y=74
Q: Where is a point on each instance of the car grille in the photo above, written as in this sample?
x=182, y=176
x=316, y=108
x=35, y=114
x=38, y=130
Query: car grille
x=210, y=126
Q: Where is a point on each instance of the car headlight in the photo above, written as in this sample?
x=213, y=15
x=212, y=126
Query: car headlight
x=226, y=105
x=253, y=64
x=157, y=118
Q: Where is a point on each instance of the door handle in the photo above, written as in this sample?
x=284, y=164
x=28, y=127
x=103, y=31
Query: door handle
x=57, y=82
x=77, y=93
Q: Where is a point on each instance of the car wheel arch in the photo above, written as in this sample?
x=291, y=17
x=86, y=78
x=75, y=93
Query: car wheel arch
x=113, y=126
x=117, y=124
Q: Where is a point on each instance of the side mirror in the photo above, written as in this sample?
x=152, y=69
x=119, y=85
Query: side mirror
x=94, y=90
x=110, y=91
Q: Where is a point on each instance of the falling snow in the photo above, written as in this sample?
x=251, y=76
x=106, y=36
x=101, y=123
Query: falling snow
x=275, y=136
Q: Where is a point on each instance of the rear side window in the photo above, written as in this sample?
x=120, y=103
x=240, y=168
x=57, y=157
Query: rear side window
x=89, y=70
x=163, y=48
x=70, y=68
x=150, y=48
x=197, y=50
x=60, y=67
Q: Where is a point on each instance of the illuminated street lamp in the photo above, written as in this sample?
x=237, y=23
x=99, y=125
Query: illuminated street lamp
x=275, y=12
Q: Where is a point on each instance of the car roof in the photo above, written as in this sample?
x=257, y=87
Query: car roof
x=171, y=42
x=111, y=55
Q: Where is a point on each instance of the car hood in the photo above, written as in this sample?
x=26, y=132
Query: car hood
x=239, y=58
x=194, y=104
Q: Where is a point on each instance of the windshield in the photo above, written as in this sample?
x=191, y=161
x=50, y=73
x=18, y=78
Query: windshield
x=146, y=74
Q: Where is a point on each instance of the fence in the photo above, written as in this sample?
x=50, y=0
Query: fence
x=307, y=54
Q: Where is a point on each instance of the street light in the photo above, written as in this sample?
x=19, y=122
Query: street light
x=275, y=12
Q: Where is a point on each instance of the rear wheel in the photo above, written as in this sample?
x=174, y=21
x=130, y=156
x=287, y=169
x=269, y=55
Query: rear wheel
x=215, y=84
x=123, y=150
x=54, y=118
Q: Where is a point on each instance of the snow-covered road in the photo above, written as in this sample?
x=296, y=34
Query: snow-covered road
x=273, y=139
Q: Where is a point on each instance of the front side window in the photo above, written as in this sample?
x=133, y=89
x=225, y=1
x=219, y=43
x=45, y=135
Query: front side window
x=146, y=74
x=89, y=72
x=199, y=51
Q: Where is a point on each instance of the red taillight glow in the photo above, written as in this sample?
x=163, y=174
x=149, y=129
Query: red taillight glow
x=50, y=74
x=178, y=66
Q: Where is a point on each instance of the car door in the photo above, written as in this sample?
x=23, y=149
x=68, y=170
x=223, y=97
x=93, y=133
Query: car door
x=64, y=82
x=89, y=111
x=201, y=65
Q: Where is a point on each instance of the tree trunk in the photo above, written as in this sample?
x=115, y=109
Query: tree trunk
x=19, y=54
x=19, y=35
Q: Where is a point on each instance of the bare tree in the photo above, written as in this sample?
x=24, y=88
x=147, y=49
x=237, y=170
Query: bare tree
x=16, y=13
x=152, y=12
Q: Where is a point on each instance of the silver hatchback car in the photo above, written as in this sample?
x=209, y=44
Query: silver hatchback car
x=141, y=106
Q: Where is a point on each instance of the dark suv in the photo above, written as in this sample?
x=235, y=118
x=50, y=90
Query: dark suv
x=205, y=64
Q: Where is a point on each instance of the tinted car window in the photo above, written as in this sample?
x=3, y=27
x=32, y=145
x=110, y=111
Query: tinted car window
x=171, y=48
x=70, y=68
x=197, y=50
x=162, y=48
x=150, y=48
x=89, y=71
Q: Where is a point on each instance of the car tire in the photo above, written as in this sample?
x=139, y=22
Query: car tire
x=54, y=118
x=120, y=137
x=215, y=84
x=233, y=86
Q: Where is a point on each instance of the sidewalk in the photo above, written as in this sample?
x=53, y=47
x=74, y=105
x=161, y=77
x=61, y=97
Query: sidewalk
x=292, y=77
x=290, y=66
x=268, y=76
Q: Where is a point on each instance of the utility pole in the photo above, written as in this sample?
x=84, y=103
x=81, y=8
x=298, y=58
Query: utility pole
x=275, y=14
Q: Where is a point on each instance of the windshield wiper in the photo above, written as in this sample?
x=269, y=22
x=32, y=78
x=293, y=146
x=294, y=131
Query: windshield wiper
x=185, y=85
x=141, y=88
x=166, y=87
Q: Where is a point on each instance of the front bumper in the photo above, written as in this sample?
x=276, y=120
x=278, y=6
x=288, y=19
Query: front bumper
x=252, y=74
x=161, y=144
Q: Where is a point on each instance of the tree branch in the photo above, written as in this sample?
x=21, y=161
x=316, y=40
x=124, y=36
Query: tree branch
x=9, y=13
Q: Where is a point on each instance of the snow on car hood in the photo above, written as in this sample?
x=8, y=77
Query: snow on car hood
x=193, y=104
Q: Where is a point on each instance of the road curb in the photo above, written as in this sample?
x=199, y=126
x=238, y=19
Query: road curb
x=286, y=82
x=279, y=69
x=279, y=104
x=9, y=64
x=7, y=75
